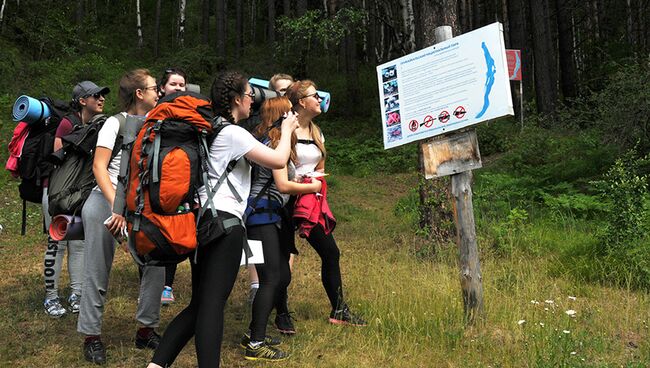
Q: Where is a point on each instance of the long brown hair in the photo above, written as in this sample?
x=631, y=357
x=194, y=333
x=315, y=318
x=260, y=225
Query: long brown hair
x=270, y=111
x=129, y=83
x=297, y=91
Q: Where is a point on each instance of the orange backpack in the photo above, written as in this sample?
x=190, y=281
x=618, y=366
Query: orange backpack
x=168, y=165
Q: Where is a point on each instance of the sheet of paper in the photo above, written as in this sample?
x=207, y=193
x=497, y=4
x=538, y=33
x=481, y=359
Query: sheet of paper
x=258, y=253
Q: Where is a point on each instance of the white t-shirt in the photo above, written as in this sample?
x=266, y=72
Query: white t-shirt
x=106, y=138
x=232, y=143
x=308, y=157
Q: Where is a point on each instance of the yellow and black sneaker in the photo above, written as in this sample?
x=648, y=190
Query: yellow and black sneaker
x=264, y=352
x=268, y=340
x=345, y=317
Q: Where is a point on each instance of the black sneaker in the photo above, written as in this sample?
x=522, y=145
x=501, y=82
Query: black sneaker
x=268, y=340
x=265, y=352
x=345, y=317
x=151, y=341
x=284, y=323
x=95, y=352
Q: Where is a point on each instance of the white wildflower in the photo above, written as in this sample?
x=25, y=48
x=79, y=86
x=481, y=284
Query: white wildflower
x=521, y=322
x=572, y=297
x=566, y=331
x=541, y=324
x=573, y=353
x=571, y=313
x=534, y=302
x=549, y=301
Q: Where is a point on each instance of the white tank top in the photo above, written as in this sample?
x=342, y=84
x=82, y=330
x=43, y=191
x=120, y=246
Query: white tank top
x=308, y=154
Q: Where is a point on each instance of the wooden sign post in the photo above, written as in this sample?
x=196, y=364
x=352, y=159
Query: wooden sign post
x=458, y=154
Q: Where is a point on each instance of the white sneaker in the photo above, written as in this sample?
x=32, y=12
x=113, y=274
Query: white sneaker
x=54, y=308
x=74, y=301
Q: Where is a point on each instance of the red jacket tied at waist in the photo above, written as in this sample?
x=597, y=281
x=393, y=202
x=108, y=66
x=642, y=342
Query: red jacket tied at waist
x=312, y=209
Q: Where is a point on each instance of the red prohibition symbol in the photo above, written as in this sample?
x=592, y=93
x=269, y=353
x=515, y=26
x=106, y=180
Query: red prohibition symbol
x=413, y=125
x=443, y=117
x=428, y=121
x=459, y=112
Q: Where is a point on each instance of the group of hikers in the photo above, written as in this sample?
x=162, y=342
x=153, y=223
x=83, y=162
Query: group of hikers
x=271, y=174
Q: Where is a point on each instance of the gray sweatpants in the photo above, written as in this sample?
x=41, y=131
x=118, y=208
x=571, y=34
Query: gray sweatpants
x=53, y=261
x=99, y=254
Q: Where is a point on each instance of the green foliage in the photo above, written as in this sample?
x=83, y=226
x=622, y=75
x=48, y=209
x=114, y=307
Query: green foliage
x=625, y=191
x=620, y=111
x=314, y=25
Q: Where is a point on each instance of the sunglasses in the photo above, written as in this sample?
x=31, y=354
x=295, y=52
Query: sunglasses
x=318, y=97
x=97, y=95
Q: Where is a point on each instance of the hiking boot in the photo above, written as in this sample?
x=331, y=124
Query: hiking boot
x=167, y=296
x=345, y=317
x=268, y=340
x=284, y=323
x=74, y=301
x=265, y=352
x=95, y=352
x=151, y=341
x=53, y=308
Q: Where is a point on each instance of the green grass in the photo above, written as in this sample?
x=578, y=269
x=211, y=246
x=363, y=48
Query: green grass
x=409, y=293
x=413, y=304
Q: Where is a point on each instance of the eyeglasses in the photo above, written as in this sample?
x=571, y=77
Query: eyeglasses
x=153, y=88
x=315, y=94
x=251, y=95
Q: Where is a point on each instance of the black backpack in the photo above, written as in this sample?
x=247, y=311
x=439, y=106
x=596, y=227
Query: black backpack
x=33, y=167
x=72, y=180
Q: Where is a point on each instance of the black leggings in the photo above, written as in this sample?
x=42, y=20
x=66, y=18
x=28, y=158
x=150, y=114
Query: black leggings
x=274, y=276
x=212, y=280
x=329, y=254
x=170, y=273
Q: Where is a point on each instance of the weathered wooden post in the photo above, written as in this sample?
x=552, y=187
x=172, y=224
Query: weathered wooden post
x=461, y=189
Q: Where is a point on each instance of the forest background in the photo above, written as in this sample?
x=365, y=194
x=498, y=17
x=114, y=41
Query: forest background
x=561, y=201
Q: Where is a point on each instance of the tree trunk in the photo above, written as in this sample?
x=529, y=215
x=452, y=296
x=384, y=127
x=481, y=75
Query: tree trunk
x=545, y=60
x=271, y=21
x=156, y=30
x=81, y=12
x=253, y=20
x=436, y=216
x=2, y=13
x=286, y=8
x=464, y=16
x=301, y=7
x=181, y=23
x=221, y=28
x=564, y=11
x=239, y=28
x=205, y=21
x=139, y=24
x=408, y=23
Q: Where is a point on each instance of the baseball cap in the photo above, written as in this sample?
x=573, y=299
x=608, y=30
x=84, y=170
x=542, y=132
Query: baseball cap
x=88, y=88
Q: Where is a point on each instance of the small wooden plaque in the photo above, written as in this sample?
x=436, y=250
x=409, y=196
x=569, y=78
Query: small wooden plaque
x=451, y=154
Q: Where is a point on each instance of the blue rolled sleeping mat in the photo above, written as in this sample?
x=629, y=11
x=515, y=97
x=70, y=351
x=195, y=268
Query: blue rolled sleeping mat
x=30, y=110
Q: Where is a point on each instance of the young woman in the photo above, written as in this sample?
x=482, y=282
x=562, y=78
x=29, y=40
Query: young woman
x=269, y=222
x=279, y=83
x=173, y=80
x=215, y=271
x=310, y=152
x=87, y=101
x=138, y=94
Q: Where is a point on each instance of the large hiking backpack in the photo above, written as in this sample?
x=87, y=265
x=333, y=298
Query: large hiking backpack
x=33, y=167
x=168, y=164
x=72, y=180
